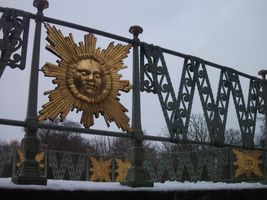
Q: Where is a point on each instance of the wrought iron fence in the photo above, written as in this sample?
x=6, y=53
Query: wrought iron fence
x=154, y=77
x=217, y=164
x=177, y=108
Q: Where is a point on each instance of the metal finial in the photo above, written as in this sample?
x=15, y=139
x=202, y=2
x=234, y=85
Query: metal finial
x=40, y=4
x=136, y=30
x=263, y=73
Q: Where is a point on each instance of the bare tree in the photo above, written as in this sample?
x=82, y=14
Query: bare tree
x=233, y=136
x=261, y=136
x=121, y=146
x=101, y=145
x=63, y=140
x=198, y=130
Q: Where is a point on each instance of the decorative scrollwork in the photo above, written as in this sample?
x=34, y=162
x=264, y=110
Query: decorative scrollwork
x=246, y=115
x=155, y=78
x=181, y=115
x=210, y=108
x=14, y=26
x=260, y=106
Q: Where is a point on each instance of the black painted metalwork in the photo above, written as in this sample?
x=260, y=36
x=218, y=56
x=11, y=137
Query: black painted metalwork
x=30, y=173
x=216, y=164
x=154, y=78
x=177, y=110
x=14, y=25
x=137, y=176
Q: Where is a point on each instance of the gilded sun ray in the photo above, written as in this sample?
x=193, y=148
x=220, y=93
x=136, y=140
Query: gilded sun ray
x=87, y=79
x=248, y=163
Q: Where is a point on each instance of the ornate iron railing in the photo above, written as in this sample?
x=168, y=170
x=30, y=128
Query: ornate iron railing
x=154, y=77
x=178, y=109
x=14, y=25
x=217, y=164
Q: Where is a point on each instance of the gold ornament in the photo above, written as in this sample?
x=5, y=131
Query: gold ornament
x=247, y=163
x=39, y=158
x=87, y=79
x=100, y=170
x=123, y=167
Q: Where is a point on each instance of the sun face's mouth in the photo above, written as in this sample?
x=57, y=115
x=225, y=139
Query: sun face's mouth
x=90, y=86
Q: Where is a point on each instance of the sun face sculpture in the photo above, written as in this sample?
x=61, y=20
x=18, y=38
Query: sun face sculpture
x=247, y=163
x=87, y=79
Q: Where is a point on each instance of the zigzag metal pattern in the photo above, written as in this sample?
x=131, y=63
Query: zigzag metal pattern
x=181, y=115
x=246, y=115
x=165, y=167
x=162, y=85
x=155, y=78
x=66, y=164
x=194, y=163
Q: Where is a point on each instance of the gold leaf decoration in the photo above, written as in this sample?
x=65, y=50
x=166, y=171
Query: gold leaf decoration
x=87, y=79
x=100, y=170
x=248, y=163
x=123, y=167
x=39, y=158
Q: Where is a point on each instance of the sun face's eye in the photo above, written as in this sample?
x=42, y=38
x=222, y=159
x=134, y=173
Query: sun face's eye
x=97, y=75
x=84, y=73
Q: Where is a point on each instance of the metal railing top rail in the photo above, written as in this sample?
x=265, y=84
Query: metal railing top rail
x=120, y=38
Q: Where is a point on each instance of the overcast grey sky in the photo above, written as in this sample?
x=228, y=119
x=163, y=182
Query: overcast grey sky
x=232, y=33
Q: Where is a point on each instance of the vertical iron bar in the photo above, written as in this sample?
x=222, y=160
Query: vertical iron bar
x=137, y=176
x=264, y=136
x=113, y=170
x=263, y=141
x=136, y=110
x=263, y=73
x=30, y=172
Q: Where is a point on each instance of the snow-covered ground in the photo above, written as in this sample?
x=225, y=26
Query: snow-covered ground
x=100, y=186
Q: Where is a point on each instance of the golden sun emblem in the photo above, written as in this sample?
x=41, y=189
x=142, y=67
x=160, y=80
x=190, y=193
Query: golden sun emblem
x=87, y=79
x=247, y=163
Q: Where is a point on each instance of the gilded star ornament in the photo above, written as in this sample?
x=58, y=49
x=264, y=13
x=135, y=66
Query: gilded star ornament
x=122, y=169
x=39, y=158
x=87, y=80
x=248, y=163
x=100, y=170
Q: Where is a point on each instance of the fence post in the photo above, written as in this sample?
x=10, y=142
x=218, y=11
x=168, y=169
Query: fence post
x=263, y=141
x=264, y=87
x=30, y=172
x=136, y=177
